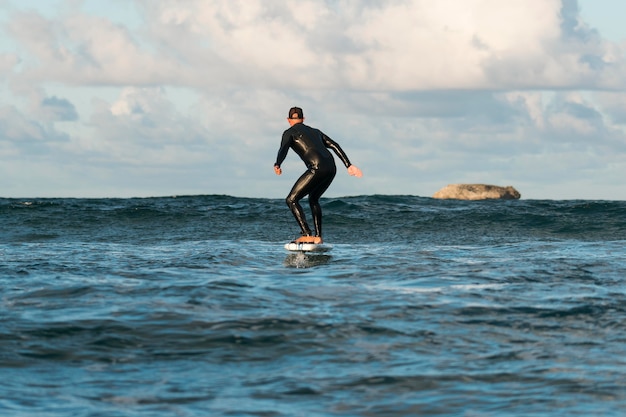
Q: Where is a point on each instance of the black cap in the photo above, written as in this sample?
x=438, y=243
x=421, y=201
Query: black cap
x=295, y=113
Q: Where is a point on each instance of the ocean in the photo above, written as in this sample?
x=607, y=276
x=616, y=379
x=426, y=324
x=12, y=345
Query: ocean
x=190, y=306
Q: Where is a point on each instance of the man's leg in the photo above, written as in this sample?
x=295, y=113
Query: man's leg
x=314, y=200
x=298, y=191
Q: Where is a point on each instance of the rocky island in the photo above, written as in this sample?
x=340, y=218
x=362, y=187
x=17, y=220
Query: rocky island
x=477, y=192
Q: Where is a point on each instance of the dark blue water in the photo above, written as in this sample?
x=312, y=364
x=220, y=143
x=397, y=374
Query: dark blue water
x=190, y=306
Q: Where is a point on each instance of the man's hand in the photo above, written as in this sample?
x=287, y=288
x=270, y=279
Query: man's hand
x=277, y=170
x=355, y=171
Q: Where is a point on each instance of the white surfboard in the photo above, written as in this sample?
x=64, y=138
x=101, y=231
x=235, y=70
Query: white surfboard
x=308, y=247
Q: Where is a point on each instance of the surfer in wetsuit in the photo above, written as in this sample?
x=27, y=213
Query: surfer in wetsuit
x=312, y=146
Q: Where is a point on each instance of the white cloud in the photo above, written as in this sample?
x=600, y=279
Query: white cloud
x=397, y=45
x=58, y=109
x=614, y=105
x=8, y=61
x=79, y=49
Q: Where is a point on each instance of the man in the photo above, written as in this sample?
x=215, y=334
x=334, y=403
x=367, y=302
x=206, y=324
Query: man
x=312, y=146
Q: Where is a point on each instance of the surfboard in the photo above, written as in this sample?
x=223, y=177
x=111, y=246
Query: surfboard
x=307, y=247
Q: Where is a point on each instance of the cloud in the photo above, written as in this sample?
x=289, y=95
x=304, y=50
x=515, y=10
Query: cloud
x=419, y=94
x=80, y=49
x=20, y=130
x=394, y=45
x=14, y=127
x=59, y=109
x=8, y=61
x=143, y=127
x=614, y=105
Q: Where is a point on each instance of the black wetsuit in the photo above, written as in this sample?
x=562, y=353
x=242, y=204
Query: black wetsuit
x=312, y=146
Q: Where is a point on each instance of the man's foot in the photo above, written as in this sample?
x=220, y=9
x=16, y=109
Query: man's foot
x=309, y=239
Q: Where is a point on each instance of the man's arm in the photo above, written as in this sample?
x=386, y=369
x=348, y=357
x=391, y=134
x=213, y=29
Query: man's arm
x=331, y=144
x=282, y=152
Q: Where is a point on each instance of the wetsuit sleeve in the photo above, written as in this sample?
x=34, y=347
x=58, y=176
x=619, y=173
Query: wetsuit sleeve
x=285, y=144
x=331, y=144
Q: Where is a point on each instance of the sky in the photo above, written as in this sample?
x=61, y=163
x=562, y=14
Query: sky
x=140, y=98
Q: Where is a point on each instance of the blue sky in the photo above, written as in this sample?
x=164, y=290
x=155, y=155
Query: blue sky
x=161, y=97
x=606, y=16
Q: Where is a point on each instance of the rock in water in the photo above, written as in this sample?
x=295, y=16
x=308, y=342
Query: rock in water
x=477, y=192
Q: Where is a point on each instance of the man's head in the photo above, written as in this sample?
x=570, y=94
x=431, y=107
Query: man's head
x=295, y=116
